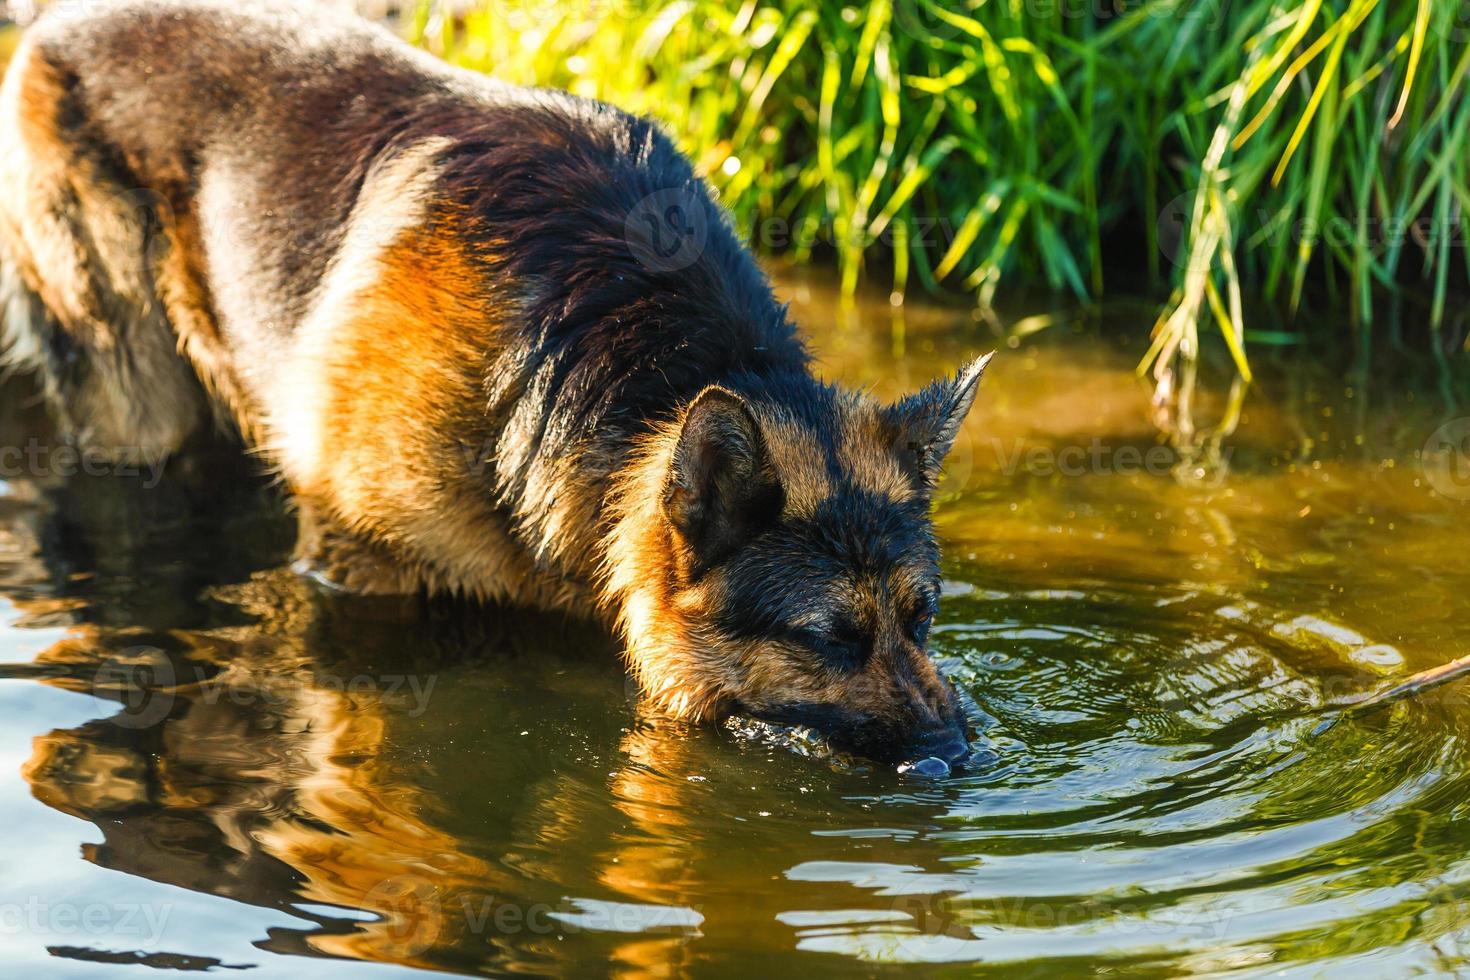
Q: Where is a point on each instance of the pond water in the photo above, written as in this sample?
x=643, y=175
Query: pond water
x=205, y=761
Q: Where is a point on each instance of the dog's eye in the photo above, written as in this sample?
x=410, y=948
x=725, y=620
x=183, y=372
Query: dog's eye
x=919, y=622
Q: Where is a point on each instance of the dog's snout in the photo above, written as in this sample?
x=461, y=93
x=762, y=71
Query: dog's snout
x=936, y=754
x=942, y=732
x=949, y=747
x=937, y=757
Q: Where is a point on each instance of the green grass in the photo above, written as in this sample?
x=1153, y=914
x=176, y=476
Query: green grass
x=1296, y=148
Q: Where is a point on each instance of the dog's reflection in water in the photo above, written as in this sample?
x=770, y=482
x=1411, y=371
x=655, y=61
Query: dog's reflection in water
x=239, y=765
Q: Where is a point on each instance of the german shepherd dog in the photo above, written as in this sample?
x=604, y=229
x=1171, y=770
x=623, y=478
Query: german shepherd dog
x=497, y=342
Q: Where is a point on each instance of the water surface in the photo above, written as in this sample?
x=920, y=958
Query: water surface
x=209, y=763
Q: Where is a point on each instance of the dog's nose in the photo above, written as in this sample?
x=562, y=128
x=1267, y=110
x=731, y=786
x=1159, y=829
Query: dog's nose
x=937, y=755
x=953, y=749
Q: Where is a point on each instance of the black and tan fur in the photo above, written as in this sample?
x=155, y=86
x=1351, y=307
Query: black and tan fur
x=422, y=295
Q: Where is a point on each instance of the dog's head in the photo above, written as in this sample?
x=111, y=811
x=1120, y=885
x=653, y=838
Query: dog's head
x=781, y=564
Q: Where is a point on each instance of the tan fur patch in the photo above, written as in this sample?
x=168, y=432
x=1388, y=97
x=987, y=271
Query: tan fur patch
x=678, y=669
x=866, y=455
x=35, y=170
x=800, y=461
x=393, y=202
x=388, y=432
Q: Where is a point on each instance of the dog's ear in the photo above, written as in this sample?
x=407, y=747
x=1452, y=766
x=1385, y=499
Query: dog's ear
x=923, y=426
x=722, y=485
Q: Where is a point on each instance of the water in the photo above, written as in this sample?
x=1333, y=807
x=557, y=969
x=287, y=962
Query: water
x=206, y=761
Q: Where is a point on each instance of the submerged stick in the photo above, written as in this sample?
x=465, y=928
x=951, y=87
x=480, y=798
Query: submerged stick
x=1423, y=681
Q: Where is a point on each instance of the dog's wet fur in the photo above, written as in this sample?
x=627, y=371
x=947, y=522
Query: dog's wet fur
x=497, y=342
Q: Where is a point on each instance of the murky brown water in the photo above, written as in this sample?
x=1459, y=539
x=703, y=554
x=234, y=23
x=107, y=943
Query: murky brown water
x=306, y=782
